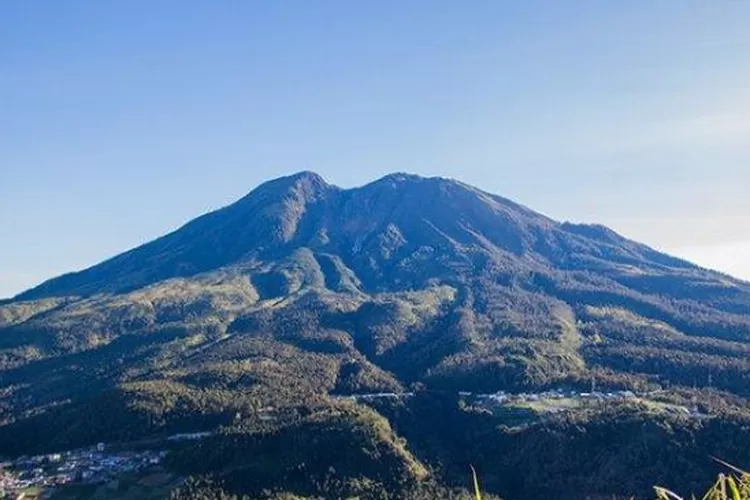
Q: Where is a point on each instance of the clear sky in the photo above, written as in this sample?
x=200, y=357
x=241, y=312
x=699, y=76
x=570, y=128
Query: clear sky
x=119, y=121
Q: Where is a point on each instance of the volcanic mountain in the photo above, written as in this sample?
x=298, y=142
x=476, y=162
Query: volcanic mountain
x=302, y=290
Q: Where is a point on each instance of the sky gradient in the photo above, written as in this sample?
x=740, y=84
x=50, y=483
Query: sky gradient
x=120, y=121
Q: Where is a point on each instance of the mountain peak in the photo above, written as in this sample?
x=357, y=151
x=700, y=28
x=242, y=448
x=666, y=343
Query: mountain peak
x=403, y=177
x=307, y=176
x=305, y=180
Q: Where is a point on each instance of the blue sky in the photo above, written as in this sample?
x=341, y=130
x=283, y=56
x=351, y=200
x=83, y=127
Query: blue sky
x=119, y=121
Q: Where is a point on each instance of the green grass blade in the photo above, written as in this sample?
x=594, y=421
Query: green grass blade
x=477, y=493
x=665, y=494
x=733, y=488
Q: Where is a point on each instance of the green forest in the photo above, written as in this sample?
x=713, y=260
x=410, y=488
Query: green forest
x=263, y=321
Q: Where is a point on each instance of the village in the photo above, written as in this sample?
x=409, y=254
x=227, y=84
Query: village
x=561, y=400
x=38, y=476
x=552, y=401
x=501, y=397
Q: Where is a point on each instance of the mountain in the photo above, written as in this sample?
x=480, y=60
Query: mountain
x=301, y=291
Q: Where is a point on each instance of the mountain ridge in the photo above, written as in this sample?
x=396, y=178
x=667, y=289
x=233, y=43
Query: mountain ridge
x=275, y=224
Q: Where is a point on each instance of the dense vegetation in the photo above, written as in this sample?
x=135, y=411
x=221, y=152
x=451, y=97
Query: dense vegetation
x=619, y=449
x=260, y=312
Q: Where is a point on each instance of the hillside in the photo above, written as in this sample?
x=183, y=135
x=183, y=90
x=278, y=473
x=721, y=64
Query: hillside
x=302, y=290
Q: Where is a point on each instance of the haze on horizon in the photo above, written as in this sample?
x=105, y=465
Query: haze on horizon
x=120, y=122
